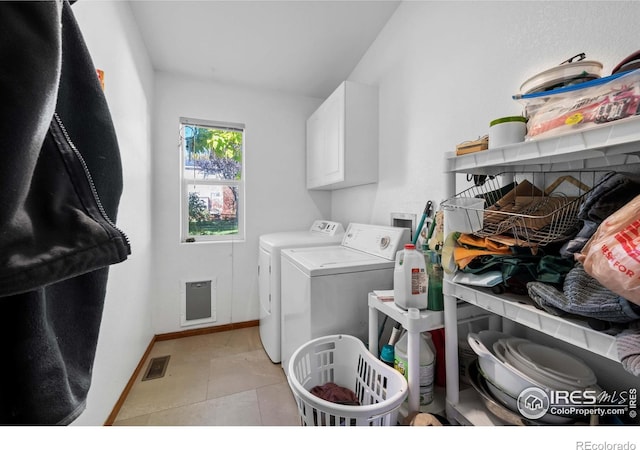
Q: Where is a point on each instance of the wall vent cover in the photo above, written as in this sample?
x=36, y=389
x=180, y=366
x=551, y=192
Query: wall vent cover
x=156, y=368
x=198, y=302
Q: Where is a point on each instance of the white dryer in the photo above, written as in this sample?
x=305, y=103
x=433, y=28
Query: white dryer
x=322, y=232
x=325, y=289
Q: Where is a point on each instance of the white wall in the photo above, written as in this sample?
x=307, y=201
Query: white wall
x=116, y=47
x=446, y=69
x=276, y=197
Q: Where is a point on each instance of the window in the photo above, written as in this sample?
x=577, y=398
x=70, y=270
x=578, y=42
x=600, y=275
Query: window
x=212, y=180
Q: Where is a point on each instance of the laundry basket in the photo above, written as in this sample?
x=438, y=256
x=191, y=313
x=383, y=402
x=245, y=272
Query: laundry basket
x=345, y=361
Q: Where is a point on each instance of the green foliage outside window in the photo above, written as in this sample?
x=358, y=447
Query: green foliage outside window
x=212, y=154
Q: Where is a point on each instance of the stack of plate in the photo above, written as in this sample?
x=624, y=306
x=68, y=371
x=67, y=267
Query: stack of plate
x=509, y=365
x=550, y=367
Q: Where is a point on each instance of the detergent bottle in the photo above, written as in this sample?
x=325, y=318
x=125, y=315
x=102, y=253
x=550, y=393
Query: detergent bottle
x=427, y=363
x=410, y=281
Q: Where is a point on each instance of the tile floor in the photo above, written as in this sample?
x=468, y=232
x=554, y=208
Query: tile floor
x=223, y=378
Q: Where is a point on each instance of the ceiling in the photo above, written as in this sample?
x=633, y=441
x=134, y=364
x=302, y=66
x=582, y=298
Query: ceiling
x=304, y=47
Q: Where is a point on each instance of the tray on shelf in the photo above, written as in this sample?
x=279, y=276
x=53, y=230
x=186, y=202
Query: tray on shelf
x=519, y=213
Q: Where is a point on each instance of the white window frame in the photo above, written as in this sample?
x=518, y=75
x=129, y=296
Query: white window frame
x=185, y=182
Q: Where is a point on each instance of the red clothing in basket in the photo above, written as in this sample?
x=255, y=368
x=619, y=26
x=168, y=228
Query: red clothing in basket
x=331, y=392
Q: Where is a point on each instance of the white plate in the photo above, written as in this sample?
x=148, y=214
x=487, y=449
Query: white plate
x=509, y=359
x=553, y=363
x=525, y=373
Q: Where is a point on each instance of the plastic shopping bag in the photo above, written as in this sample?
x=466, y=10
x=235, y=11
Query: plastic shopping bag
x=612, y=254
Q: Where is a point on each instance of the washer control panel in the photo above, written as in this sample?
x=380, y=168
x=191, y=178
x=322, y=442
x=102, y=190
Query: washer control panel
x=376, y=240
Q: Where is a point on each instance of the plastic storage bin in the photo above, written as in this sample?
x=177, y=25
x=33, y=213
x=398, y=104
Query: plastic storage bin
x=345, y=361
x=582, y=106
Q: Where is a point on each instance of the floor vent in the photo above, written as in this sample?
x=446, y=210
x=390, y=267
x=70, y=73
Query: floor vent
x=156, y=368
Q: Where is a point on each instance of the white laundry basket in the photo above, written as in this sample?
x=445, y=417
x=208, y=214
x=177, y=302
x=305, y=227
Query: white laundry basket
x=345, y=361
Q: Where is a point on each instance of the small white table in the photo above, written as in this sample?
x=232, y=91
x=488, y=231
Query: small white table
x=415, y=322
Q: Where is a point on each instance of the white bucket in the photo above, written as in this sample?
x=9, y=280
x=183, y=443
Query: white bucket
x=410, y=281
x=507, y=130
x=465, y=214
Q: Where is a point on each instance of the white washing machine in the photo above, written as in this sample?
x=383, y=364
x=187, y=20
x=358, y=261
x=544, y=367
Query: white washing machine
x=322, y=232
x=325, y=289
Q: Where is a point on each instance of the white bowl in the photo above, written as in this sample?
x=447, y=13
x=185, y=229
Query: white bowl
x=479, y=383
x=510, y=379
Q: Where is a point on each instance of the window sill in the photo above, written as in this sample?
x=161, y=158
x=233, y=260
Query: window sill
x=227, y=241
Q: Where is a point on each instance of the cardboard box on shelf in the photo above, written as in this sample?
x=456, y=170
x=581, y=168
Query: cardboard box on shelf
x=472, y=146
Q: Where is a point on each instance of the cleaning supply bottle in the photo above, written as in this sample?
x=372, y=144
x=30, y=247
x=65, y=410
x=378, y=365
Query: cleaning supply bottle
x=427, y=365
x=435, y=274
x=410, y=282
x=387, y=352
x=395, y=334
x=387, y=355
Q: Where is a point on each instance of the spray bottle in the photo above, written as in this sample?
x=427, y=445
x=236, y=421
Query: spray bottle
x=387, y=354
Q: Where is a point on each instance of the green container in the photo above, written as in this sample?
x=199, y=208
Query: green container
x=435, y=299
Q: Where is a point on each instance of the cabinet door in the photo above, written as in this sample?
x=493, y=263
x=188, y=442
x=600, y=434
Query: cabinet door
x=315, y=148
x=325, y=142
x=333, y=130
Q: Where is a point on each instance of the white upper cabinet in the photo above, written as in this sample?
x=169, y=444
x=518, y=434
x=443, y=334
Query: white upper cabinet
x=342, y=139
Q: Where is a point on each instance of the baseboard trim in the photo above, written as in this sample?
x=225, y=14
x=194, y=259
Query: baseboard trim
x=165, y=337
x=129, y=386
x=206, y=330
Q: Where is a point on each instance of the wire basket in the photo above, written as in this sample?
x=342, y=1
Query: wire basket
x=518, y=214
x=345, y=361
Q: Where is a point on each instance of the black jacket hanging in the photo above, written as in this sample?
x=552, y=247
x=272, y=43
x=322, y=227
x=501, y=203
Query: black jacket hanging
x=60, y=187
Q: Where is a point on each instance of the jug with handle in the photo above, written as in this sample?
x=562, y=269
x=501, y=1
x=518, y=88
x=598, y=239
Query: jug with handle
x=410, y=281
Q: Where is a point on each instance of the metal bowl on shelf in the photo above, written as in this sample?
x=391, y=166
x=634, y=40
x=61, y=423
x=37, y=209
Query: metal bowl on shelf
x=496, y=401
x=505, y=415
x=511, y=403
